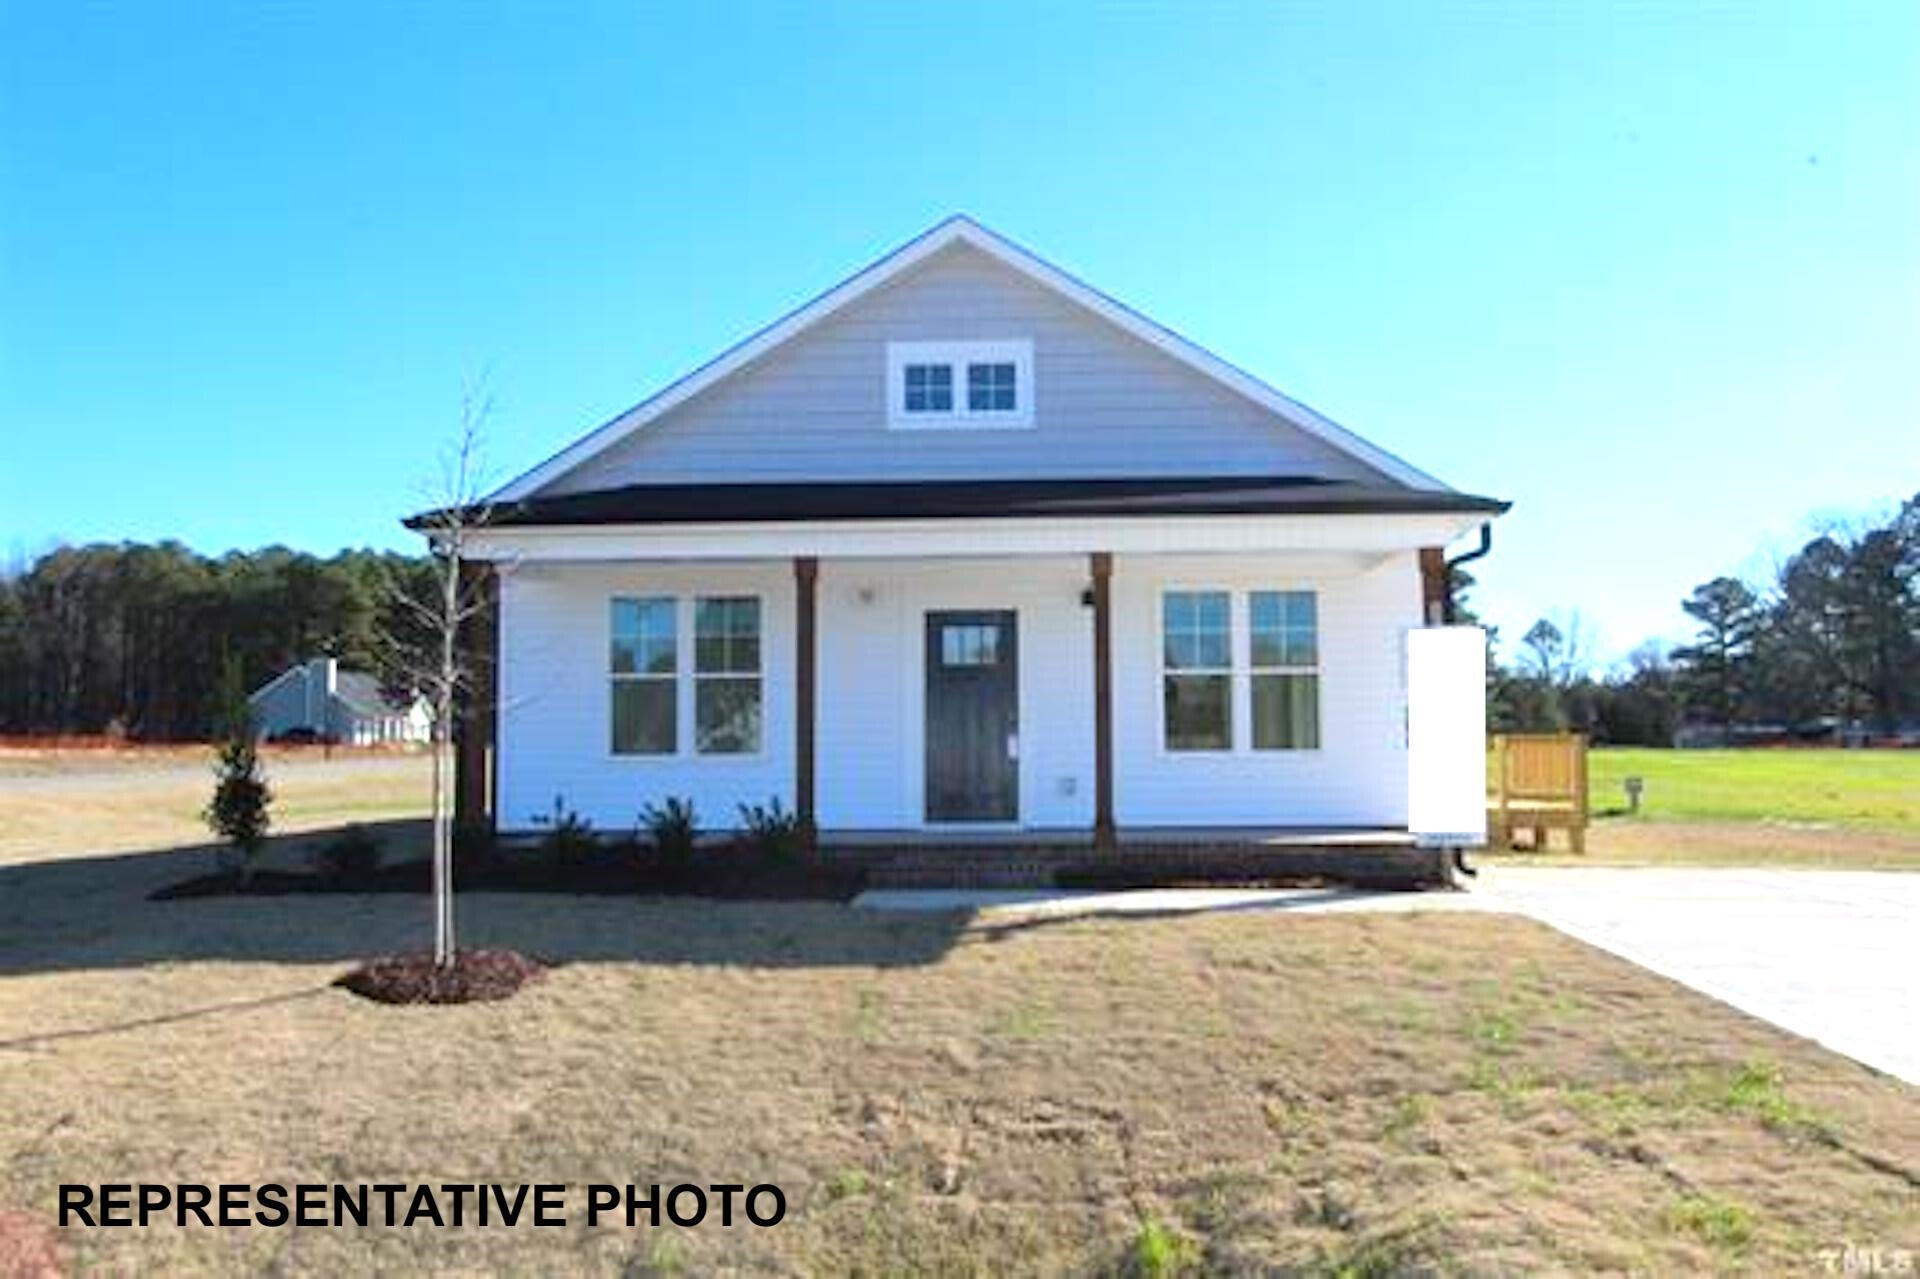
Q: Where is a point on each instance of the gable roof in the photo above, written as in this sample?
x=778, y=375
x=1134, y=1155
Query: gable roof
x=960, y=229
x=361, y=694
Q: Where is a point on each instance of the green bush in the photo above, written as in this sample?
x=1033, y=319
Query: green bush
x=771, y=832
x=674, y=828
x=568, y=834
x=237, y=813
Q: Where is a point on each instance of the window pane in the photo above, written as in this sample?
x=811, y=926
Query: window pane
x=726, y=716
x=1214, y=651
x=1198, y=713
x=1282, y=628
x=726, y=632
x=643, y=717
x=642, y=635
x=1286, y=712
x=990, y=388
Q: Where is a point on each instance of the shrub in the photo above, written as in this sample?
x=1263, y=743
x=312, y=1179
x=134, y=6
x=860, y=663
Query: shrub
x=352, y=854
x=772, y=832
x=568, y=834
x=674, y=828
x=238, y=810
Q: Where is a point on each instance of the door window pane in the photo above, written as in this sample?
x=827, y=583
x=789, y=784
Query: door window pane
x=969, y=645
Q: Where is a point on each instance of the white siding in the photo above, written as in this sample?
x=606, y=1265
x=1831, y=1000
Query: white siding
x=1357, y=777
x=1107, y=403
x=554, y=721
x=554, y=714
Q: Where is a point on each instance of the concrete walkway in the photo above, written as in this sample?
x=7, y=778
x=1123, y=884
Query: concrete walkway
x=1831, y=955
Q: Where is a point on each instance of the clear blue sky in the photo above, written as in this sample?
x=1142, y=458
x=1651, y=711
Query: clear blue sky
x=1650, y=271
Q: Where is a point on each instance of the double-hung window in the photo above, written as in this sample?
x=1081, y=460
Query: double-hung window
x=1239, y=663
x=1197, y=683
x=652, y=690
x=726, y=675
x=1283, y=653
x=645, y=668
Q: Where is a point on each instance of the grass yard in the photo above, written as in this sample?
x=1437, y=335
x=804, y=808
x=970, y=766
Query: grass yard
x=1866, y=788
x=1830, y=809
x=1236, y=1092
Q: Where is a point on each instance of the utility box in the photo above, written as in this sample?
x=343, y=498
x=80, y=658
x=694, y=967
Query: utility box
x=1447, y=736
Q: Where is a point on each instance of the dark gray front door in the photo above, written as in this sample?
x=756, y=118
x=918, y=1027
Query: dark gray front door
x=973, y=717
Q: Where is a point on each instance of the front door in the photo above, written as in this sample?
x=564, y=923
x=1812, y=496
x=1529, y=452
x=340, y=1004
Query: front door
x=973, y=717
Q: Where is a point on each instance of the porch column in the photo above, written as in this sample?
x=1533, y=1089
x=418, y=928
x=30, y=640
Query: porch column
x=1436, y=604
x=806, y=577
x=1100, y=563
x=476, y=703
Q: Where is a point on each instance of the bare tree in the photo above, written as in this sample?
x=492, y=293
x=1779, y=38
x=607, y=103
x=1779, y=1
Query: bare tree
x=432, y=661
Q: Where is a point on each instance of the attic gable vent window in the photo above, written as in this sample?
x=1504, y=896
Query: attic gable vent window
x=960, y=385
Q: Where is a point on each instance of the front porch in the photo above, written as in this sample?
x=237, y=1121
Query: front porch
x=875, y=711
x=1139, y=857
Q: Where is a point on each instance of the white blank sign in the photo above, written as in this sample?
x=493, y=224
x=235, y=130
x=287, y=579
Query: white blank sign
x=1447, y=735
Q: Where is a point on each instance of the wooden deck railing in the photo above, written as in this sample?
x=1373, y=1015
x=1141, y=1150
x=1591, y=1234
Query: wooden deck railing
x=1538, y=780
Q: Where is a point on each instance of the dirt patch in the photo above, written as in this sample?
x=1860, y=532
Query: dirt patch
x=474, y=976
x=28, y=1250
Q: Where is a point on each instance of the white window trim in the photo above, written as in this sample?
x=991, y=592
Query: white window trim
x=1240, y=674
x=956, y=356
x=685, y=677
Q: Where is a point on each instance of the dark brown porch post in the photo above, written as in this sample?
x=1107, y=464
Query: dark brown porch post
x=1434, y=608
x=806, y=576
x=476, y=711
x=1101, y=565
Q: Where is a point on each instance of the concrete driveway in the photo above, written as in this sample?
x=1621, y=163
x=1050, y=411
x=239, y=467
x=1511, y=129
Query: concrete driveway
x=1832, y=955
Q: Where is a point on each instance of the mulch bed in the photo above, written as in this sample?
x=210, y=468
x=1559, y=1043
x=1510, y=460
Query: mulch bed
x=722, y=873
x=474, y=975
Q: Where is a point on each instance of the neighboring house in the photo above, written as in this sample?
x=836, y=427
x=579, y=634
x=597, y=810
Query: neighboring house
x=962, y=550
x=318, y=700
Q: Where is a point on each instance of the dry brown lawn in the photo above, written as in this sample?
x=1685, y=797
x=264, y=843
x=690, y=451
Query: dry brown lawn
x=1812, y=845
x=67, y=803
x=1250, y=1090
x=1236, y=1092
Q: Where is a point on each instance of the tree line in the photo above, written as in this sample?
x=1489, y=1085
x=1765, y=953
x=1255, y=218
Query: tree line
x=133, y=639
x=1832, y=641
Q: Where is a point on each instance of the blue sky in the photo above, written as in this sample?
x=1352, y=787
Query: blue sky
x=1652, y=272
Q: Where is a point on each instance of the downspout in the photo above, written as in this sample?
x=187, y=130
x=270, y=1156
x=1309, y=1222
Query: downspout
x=1486, y=544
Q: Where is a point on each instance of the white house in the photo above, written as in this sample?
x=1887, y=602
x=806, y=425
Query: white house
x=963, y=550
x=317, y=699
